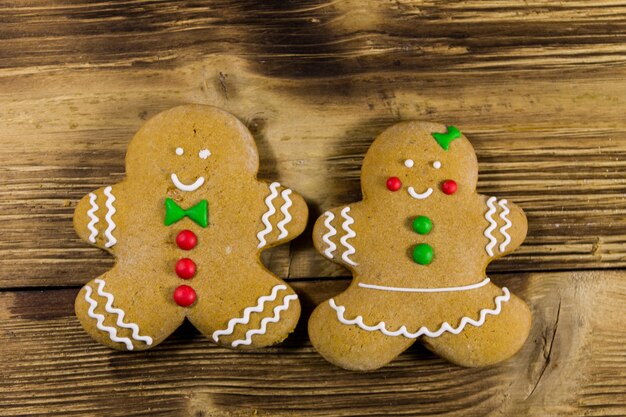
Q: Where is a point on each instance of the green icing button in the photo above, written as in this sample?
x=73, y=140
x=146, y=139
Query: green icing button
x=423, y=254
x=422, y=225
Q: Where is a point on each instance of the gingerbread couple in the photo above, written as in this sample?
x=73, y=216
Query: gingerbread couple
x=187, y=227
x=418, y=245
x=190, y=220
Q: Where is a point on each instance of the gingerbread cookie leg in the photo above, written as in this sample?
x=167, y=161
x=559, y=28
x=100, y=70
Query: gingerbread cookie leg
x=334, y=335
x=494, y=335
x=348, y=345
x=118, y=312
x=500, y=330
x=249, y=313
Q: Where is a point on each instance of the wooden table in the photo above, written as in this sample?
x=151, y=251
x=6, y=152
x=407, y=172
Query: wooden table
x=538, y=86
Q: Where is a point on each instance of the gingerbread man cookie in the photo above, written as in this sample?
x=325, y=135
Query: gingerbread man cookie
x=418, y=245
x=186, y=227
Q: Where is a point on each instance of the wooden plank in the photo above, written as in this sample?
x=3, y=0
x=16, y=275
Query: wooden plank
x=538, y=88
x=332, y=38
x=572, y=364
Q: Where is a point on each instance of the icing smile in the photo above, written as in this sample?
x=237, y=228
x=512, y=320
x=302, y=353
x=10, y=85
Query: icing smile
x=419, y=196
x=187, y=187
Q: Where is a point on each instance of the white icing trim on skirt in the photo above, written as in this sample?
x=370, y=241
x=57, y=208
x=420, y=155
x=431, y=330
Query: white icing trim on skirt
x=423, y=331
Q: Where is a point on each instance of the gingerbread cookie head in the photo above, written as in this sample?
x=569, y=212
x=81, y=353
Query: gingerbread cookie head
x=187, y=227
x=418, y=245
x=424, y=162
x=178, y=149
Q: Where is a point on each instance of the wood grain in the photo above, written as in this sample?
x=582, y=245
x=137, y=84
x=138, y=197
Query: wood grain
x=538, y=88
x=571, y=365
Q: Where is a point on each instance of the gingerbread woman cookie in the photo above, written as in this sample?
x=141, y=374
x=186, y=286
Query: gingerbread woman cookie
x=186, y=227
x=418, y=245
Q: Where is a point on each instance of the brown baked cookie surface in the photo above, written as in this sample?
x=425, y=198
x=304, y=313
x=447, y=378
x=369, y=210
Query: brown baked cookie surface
x=187, y=227
x=418, y=245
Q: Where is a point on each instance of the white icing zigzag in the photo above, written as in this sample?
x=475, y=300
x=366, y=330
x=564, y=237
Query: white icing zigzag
x=285, y=210
x=349, y=235
x=331, y=232
x=93, y=217
x=120, y=314
x=109, y=218
x=100, y=321
x=263, y=328
x=423, y=331
x=492, y=226
x=270, y=211
x=248, y=312
x=507, y=225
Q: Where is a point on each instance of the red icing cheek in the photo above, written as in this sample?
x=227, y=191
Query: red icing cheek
x=449, y=187
x=394, y=183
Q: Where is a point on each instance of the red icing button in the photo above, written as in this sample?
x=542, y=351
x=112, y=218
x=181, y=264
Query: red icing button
x=449, y=187
x=186, y=240
x=394, y=183
x=185, y=268
x=184, y=296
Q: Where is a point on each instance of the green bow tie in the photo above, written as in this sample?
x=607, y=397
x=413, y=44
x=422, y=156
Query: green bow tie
x=198, y=213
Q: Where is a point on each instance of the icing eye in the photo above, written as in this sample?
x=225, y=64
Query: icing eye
x=436, y=164
x=409, y=163
x=179, y=151
x=204, y=154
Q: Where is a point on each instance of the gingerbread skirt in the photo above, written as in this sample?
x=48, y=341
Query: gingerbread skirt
x=415, y=314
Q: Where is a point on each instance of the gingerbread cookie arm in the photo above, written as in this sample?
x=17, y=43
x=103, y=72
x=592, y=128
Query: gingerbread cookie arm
x=95, y=217
x=284, y=217
x=333, y=235
x=505, y=226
